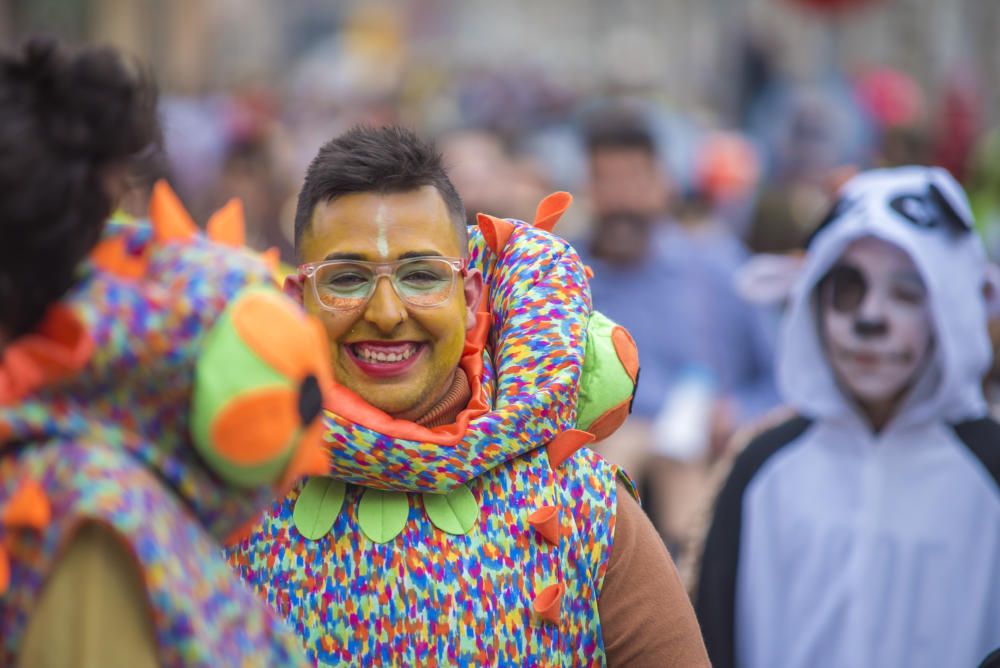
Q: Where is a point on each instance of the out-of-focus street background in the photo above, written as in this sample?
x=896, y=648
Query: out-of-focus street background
x=692, y=133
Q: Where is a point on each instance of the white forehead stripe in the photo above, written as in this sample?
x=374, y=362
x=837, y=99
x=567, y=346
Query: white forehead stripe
x=381, y=243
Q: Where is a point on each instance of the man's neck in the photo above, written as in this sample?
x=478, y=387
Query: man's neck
x=446, y=406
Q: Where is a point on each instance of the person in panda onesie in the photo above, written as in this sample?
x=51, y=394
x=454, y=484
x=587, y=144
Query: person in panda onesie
x=866, y=531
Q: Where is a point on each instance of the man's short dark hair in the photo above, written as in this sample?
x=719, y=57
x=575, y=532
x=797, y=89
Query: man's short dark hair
x=381, y=160
x=618, y=127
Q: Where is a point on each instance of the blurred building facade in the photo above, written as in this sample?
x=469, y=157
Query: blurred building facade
x=684, y=49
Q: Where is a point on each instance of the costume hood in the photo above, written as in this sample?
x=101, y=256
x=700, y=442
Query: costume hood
x=924, y=212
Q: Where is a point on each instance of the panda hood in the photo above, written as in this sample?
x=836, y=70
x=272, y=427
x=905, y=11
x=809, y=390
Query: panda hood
x=924, y=212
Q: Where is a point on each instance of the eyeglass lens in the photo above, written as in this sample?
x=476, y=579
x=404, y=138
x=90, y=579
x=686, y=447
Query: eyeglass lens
x=421, y=282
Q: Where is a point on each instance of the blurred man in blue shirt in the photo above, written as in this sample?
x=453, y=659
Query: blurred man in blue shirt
x=672, y=286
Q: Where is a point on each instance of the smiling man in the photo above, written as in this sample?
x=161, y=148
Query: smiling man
x=865, y=532
x=475, y=530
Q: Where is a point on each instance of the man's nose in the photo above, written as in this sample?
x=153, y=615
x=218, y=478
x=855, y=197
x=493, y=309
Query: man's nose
x=385, y=309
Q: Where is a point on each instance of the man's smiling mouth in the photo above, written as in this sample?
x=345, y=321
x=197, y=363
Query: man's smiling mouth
x=377, y=352
x=385, y=358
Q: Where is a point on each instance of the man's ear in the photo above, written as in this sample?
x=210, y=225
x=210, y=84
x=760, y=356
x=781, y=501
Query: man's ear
x=293, y=288
x=473, y=288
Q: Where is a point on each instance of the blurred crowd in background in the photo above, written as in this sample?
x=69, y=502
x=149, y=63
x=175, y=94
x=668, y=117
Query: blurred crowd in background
x=692, y=135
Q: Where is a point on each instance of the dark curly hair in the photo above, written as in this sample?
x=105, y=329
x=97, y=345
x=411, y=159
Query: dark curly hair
x=67, y=123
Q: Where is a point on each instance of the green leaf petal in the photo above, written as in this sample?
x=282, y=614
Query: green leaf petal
x=317, y=507
x=382, y=515
x=455, y=512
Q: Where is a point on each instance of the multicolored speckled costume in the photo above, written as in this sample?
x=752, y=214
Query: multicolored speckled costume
x=507, y=575
x=95, y=425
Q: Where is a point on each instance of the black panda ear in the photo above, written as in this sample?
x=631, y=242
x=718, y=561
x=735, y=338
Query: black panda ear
x=841, y=206
x=950, y=215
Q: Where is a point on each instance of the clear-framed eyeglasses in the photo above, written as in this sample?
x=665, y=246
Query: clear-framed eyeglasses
x=346, y=285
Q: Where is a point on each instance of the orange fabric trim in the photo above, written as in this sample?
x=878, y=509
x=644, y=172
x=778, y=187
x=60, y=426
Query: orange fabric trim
x=548, y=603
x=280, y=334
x=610, y=420
x=58, y=348
x=227, y=226
x=171, y=221
x=551, y=209
x=496, y=231
x=256, y=427
x=29, y=508
x=588, y=271
x=565, y=444
x=346, y=404
x=112, y=256
x=4, y=570
x=240, y=533
x=628, y=352
x=311, y=458
x=545, y=521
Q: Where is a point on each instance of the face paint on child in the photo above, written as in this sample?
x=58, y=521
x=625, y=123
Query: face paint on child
x=875, y=321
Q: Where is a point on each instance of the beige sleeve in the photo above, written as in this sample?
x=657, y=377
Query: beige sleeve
x=93, y=612
x=646, y=616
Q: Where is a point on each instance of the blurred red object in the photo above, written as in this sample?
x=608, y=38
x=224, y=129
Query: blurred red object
x=959, y=122
x=833, y=5
x=727, y=166
x=892, y=98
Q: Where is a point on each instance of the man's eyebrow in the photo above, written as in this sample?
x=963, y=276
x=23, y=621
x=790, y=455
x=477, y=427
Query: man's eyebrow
x=345, y=256
x=419, y=253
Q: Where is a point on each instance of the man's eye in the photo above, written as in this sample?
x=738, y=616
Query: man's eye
x=346, y=280
x=421, y=276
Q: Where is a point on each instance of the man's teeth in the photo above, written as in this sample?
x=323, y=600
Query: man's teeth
x=371, y=354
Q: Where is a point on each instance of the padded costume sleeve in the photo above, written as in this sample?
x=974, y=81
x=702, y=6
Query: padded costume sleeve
x=94, y=612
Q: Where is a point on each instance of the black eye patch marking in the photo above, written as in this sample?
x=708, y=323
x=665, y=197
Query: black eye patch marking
x=845, y=287
x=930, y=210
x=915, y=209
x=927, y=210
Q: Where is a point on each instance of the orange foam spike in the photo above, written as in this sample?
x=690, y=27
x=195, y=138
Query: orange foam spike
x=495, y=230
x=28, y=508
x=112, y=256
x=551, y=209
x=227, y=226
x=4, y=571
x=565, y=444
x=548, y=604
x=545, y=520
x=272, y=259
x=171, y=221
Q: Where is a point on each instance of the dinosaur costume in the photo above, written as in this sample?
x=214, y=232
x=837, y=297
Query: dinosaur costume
x=151, y=401
x=481, y=542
